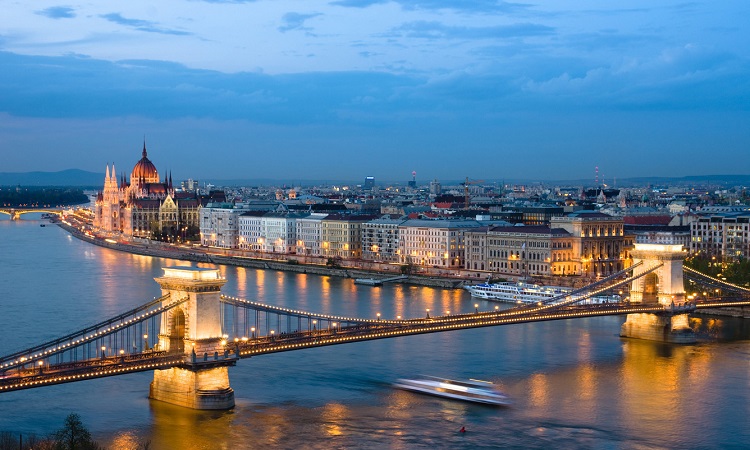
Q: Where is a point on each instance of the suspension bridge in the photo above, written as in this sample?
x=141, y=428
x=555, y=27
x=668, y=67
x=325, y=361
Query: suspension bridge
x=193, y=333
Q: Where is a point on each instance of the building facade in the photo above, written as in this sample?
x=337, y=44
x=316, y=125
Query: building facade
x=599, y=239
x=436, y=243
x=723, y=236
x=380, y=240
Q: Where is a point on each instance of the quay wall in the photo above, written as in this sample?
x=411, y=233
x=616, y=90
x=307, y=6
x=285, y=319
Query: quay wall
x=197, y=255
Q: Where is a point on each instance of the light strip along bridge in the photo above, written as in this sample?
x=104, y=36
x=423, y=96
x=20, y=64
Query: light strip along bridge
x=129, y=342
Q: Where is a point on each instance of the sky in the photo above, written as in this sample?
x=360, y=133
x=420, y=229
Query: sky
x=343, y=89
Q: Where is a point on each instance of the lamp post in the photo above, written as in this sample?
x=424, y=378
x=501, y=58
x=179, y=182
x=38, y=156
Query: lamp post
x=428, y=313
x=145, y=342
x=252, y=331
x=476, y=308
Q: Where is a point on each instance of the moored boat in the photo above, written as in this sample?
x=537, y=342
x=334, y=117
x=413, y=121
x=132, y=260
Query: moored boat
x=475, y=391
x=368, y=281
x=522, y=292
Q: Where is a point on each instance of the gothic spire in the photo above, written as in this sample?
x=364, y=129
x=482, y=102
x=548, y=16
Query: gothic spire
x=144, y=145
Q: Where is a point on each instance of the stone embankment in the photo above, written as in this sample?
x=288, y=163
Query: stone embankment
x=201, y=255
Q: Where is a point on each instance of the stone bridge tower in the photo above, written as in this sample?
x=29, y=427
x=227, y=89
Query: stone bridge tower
x=663, y=286
x=194, y=329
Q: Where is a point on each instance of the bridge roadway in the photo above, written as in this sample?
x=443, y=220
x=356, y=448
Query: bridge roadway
x=15, y=213
x=33, y=376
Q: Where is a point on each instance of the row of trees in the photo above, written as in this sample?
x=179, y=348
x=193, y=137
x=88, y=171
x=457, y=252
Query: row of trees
x=41, y=197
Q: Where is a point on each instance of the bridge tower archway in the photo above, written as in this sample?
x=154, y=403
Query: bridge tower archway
x=177, y=331
x=663, y=285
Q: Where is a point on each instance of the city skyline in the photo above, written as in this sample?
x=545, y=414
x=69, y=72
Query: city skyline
x=355, y=88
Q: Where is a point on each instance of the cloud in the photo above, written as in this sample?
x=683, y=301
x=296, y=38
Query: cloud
x=141, y=25
x=436, y=30
x=58, y=12
x=482, y=6
x=358, y=3
x=295, y=21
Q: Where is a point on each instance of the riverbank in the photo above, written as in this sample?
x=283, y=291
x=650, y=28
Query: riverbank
x=203, y=255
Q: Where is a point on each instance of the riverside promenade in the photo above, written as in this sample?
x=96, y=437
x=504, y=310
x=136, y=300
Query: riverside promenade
x=283, y=262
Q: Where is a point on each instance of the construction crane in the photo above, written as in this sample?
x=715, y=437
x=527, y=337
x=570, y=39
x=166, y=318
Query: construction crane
x=466, y=190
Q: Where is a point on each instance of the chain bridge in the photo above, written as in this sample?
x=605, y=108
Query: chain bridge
x=193, y=333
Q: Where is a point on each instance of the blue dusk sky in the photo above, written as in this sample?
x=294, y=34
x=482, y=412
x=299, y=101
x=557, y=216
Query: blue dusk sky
x=342, y=89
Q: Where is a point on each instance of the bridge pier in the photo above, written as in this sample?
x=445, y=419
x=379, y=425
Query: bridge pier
x=665, y=328
x=194, y=330
x=193, y=388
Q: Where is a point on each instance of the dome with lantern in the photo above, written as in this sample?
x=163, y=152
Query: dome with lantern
x=144, y=170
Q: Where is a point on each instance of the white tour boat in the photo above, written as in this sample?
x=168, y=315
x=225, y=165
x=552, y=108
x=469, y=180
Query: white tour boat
x=521, y=292
x=476, y=391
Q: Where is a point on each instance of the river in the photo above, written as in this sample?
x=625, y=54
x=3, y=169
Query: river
x=574, y=384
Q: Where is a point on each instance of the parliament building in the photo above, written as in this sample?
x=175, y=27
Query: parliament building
x=145, y=206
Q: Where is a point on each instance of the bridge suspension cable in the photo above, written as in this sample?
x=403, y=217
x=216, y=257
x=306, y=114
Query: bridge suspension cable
x=593, y=285
x=700, y=277
x=90, y=334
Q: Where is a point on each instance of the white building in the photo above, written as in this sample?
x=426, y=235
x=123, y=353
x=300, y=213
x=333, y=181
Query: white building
x=438, y=243
x=279, y=232
x=219, y=225
x=308, y=234
x=250, y=230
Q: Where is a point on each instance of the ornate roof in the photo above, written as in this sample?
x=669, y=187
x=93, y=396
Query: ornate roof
x=145, y=169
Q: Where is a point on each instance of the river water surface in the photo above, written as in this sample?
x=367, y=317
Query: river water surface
x=574, y=384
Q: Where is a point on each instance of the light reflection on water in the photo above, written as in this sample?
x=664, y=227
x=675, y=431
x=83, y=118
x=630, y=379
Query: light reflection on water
x=574, y=383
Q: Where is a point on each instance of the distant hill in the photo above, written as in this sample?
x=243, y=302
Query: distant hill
x=70, y=177
x=95, y=180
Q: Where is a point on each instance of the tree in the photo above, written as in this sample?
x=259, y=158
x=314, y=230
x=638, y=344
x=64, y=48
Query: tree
x=74, y=436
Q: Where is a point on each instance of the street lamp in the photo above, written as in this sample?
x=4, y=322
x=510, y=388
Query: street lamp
x=378, y=316
x=428, y=313
x=476, y=308
x=145, y=342
x=252, y=330
x=104, y=349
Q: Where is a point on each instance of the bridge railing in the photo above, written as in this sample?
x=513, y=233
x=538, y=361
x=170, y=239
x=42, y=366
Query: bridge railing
x=244, y=320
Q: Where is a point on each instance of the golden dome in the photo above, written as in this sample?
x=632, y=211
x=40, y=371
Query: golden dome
x=145, y=169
